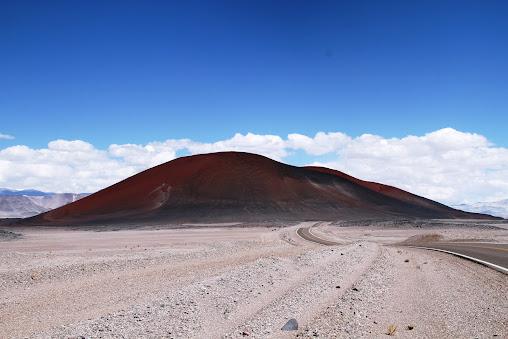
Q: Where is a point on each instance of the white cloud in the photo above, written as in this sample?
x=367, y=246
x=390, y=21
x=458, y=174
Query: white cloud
x=6, y=136
x=62, y=167
x=150, y=155
x=322, y=143
x=272, y=146
x=446, y=165
x=70, y=146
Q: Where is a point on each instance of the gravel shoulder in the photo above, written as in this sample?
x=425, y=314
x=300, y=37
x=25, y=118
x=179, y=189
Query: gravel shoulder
x=422, y=294
x=230, y=282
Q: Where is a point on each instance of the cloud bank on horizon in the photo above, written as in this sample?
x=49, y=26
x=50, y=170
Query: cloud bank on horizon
x=446, y=165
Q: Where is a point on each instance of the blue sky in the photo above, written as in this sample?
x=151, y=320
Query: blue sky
x=136, y=72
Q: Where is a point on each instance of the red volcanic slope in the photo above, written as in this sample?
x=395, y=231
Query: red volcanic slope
x=396, y=193
x=233, y=186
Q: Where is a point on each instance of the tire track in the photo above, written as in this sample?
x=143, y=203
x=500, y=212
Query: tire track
x=289, y=282
x=78, y=298
x=256, y=296
x=309, y=296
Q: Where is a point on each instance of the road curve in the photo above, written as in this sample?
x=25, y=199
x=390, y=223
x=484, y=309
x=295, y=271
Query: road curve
x=306, y=234
x=492, y=255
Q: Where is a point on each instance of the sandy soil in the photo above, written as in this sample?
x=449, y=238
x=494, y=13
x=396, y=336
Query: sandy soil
x=229, y=281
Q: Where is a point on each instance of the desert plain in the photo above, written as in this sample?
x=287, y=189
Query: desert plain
x=235, y=280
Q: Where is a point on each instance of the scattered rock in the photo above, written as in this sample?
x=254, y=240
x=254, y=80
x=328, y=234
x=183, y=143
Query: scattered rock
x=291, y=325
x=7, y=235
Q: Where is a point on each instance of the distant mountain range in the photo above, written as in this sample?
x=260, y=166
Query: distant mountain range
x=27, y=203
x=496, y=208
x=31, y=193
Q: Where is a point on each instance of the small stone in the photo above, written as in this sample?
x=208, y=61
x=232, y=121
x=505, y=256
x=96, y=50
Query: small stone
x=291, y=325
x=245, y=333
x=337, y=286
x=355, y=289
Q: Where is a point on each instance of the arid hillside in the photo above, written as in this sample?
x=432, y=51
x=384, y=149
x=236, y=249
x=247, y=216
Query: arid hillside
x=234, y=186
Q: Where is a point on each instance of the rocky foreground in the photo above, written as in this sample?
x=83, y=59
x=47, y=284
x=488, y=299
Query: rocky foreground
x=245, y=283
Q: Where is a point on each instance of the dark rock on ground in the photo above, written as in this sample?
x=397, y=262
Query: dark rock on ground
x=291, y=325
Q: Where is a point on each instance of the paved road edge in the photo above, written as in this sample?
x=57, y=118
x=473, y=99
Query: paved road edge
x=483, y=262
x=323, y=242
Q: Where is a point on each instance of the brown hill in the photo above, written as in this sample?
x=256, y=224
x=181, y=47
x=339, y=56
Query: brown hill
x=233, y=186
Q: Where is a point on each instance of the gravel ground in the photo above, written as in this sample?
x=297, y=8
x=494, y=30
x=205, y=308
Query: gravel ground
x=434, y=295
x=247, y=284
